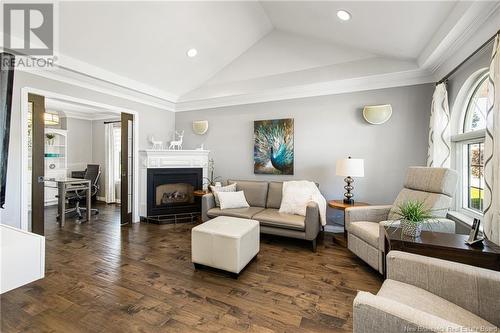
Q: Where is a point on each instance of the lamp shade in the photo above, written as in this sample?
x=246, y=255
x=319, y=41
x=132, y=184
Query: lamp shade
x=377, y=114
x=353, y=167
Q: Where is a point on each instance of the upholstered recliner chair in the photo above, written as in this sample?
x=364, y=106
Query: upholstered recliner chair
x=423, y=294
x=365, y=225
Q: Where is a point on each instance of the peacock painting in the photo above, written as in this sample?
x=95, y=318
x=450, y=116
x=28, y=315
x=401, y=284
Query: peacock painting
x=273, y=147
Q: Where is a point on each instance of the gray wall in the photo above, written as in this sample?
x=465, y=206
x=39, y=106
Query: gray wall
x=327, y=128
x=152, y=121
x=79, y=143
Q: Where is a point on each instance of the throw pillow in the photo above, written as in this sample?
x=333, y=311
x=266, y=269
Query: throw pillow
x=216, y=189
x=232, y=200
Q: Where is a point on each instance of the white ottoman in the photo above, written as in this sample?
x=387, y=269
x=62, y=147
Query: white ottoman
x=226, y=243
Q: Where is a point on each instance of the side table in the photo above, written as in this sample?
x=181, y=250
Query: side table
x=341, y=205
x=444, y=246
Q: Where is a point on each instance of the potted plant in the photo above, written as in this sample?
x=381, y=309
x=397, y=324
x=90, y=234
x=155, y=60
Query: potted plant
x=211, y=180
x=50, y=138
x=413, y=214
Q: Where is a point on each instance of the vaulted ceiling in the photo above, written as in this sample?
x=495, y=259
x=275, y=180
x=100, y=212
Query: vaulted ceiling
x=250, y=51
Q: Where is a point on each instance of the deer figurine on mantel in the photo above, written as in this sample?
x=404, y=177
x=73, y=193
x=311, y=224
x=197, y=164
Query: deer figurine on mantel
x=177, y=144
x=157, y=145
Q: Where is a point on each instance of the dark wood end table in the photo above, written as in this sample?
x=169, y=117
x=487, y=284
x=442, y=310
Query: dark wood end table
x=449, y=247
x=341, y=205
x=200, y=193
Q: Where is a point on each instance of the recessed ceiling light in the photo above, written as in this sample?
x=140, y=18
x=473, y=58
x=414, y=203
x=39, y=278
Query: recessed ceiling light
x=191, y=53
x=343, y=15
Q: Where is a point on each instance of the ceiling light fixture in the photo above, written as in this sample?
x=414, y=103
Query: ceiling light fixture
x=191, y=53
x=343, y=15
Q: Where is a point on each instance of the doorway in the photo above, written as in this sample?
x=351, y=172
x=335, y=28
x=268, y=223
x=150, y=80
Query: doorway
x=46, y=154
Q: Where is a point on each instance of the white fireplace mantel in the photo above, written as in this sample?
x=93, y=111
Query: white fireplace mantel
x=168, y=159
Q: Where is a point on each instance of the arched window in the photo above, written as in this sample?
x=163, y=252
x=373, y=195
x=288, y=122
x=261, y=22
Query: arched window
x=472, y=105
x=477, y=106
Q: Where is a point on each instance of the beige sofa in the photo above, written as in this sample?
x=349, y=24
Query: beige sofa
x=365, y=225
x=423, y=294
x=264, y=199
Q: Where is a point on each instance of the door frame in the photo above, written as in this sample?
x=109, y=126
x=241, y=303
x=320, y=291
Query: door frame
x=24, y=146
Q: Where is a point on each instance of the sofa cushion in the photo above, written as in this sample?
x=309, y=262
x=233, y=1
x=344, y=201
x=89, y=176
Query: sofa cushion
x=271, y=217
x=367, y=231
x=425, y=301
x=274, y=195
x=255, y=191
x=246, y=213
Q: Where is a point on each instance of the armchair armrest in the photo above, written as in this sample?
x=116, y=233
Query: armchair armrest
x=474, y=289
x=373, y=313
x=207, y=203
x=312, y=221
x=366, y=213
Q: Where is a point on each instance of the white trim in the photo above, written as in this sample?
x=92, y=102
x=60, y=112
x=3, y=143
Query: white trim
x=161, y=103
x=380, y=81
x=24, y=146
x=469, y=136
x=461, y=140
x=66, y=62
x=455, y=32
x=463, y=174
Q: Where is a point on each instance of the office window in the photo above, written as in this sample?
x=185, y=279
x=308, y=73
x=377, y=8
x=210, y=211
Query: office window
x=117, y=132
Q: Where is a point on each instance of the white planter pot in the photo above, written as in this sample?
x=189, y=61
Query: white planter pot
x=411, y=229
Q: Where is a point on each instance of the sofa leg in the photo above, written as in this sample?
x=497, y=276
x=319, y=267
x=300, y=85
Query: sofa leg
x=314, y=245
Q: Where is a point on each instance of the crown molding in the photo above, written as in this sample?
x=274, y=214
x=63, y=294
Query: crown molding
x=457, y=33
x=101, y=86
x=379, y=81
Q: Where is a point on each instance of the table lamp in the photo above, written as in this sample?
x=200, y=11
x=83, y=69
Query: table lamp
x=350, y=167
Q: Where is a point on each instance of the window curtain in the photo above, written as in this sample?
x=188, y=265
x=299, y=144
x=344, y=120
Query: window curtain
x=439, y=151
x=492, y=151
x=110, y=176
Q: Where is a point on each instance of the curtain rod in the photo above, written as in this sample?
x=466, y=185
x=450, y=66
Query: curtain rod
x=447, y=76
x=113, y=122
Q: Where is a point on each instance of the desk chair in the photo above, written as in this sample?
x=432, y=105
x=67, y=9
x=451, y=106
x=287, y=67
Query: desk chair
x=92, y=173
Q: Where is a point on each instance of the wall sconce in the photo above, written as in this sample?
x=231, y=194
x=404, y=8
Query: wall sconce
x=377, y=114
x=200, y=127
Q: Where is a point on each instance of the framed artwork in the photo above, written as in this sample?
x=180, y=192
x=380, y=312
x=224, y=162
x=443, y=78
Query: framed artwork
x=273, y=147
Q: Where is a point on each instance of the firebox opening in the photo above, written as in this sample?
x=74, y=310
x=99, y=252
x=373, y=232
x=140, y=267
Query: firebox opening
x=171, y=194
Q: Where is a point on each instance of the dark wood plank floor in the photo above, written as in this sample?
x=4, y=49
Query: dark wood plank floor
x=103, y=278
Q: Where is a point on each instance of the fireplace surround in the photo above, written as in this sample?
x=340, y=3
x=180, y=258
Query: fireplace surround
x=174, y=196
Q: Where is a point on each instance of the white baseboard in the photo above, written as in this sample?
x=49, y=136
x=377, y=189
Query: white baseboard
x=103, y=199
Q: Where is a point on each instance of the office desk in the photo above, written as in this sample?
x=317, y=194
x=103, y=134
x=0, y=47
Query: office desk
x=65, y=185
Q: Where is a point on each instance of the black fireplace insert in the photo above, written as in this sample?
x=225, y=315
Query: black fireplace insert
x=170, y=191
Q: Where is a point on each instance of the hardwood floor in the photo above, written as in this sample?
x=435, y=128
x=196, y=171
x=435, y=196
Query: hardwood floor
x=103, y=278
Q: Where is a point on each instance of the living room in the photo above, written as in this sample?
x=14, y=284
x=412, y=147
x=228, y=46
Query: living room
x=285, y=166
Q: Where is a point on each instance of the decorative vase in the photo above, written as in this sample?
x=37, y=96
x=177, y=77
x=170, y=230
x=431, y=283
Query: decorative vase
x=411, y=229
